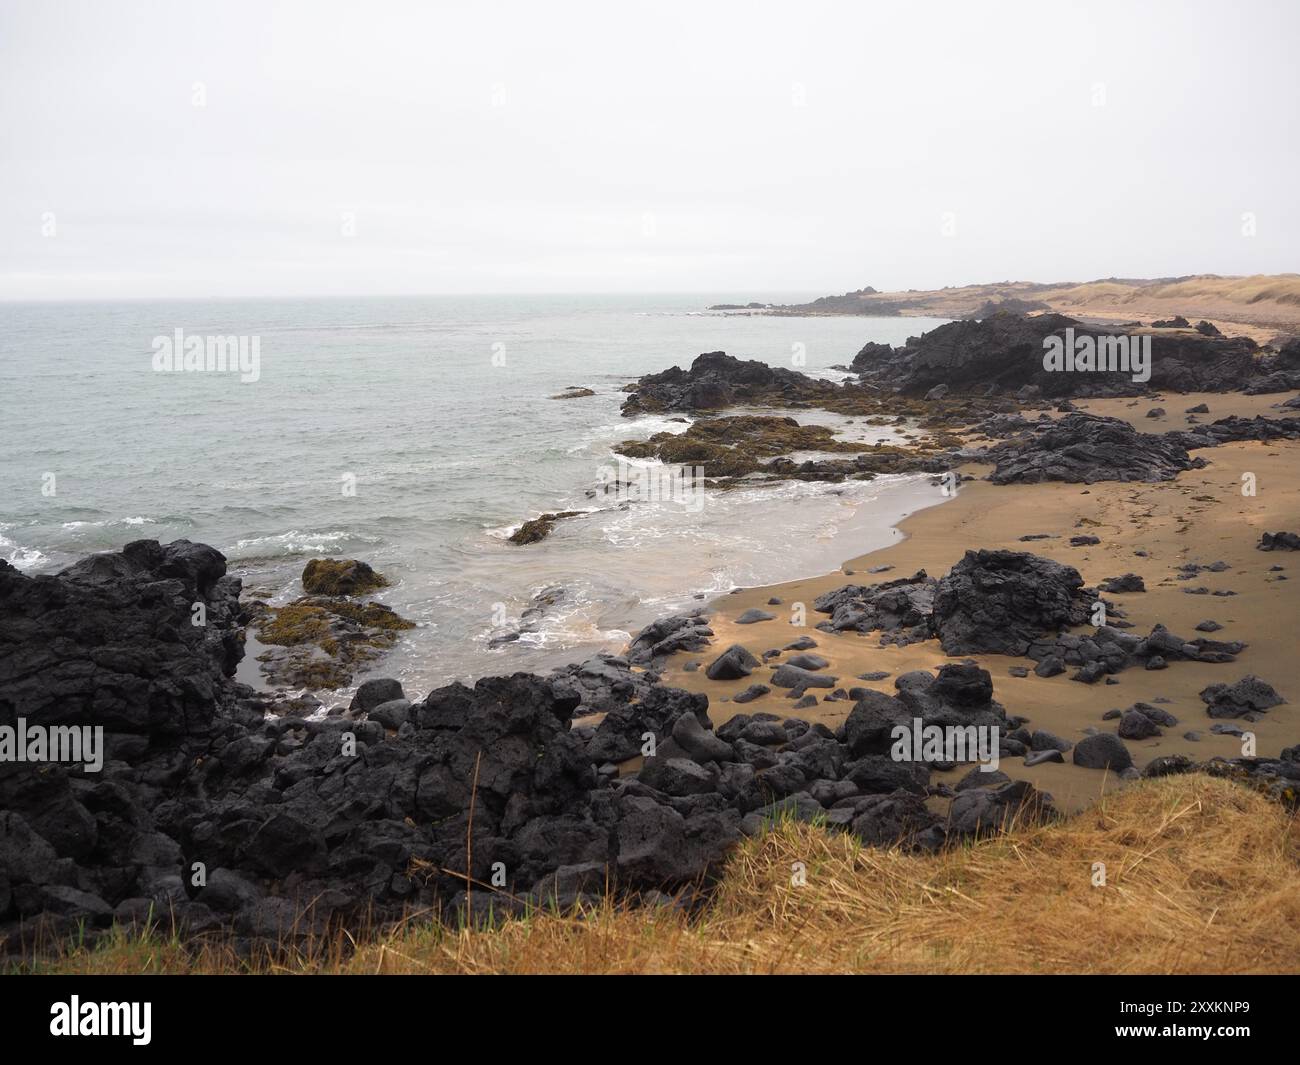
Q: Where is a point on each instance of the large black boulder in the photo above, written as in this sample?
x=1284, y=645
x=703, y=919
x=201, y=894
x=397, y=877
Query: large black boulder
x=999, y=602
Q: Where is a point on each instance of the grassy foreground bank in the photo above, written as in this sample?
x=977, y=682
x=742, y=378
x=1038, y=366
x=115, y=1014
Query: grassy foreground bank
x=1202, y=875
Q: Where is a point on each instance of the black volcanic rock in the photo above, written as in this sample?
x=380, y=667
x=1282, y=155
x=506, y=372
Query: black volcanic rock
x=299, y=823
x=1086, y=448
x=1232, y=429
x=110, y=641
x=1003, y=350
x=1129, y=582
x=1003, y=353
x=735, y=662
x=871, y=356
x=716, y=380
x=1135, y=725
x=304, y=825
x=604, y=682
x=1102, y=751
x=621, y=735
x=959, y=695
x=666, y=636
x=1246, y=696
x=999, y=602
x=881, y=820
x=1279, y=541
x=982, y=811
x=901, y=608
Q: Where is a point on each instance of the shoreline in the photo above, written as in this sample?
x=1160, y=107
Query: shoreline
x=632, y=774
x=983, y=515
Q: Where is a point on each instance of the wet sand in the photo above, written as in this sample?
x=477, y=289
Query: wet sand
x=1201, y=517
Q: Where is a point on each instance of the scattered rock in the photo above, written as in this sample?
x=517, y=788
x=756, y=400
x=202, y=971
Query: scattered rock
x=788, y=676
x=1137, y=726
x=1042, y=740
x=1102, y=751
x=735, y=662
x=1248, y=695
x=1129, y=582
x=807, y=661
x=1279, y=541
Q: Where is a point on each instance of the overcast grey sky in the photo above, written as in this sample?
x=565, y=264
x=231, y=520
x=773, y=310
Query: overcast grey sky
x=568, y=147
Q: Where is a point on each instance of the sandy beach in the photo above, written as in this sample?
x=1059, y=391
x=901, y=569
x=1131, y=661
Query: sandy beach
x=1200, y=517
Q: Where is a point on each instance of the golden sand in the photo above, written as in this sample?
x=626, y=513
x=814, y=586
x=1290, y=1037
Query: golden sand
x=1202, y=517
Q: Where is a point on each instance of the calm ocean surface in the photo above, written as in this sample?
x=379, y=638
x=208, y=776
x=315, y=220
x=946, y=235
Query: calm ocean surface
x=448, y=448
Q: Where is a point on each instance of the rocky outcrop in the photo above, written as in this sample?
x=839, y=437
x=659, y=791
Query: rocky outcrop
x=1086, y=448
x=1000, y=602
x=322, y=639
x=1232, y=429
x=1003, y=353
x=270, y=827
x=724, y=448
x=667, y=636
x=534, y=530
x=717, y=380
x=216, y=811
x=604, y=682
x=113, y=641
x=996, y=358
x=320, y=642
x=900, y=608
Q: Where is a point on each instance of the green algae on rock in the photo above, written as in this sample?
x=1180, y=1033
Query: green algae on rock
x=536, y=529
x=320, y=642
x=736, y=446
x=340, y=576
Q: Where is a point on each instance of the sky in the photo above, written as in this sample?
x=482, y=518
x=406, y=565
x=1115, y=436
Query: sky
x=185, y=149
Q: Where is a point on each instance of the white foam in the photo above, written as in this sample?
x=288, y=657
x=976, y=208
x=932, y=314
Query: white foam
x=296, y=541
x=20, y=557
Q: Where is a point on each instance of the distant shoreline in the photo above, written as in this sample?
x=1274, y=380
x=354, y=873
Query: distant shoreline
x=1259, y=306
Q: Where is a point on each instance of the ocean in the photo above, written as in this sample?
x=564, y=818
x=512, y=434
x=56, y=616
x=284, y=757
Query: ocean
x=416, y=433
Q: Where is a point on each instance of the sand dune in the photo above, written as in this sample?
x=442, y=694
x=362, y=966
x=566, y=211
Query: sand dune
x=1261, y=305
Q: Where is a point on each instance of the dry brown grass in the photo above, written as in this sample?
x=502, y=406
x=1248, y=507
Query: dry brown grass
x=1202, y=876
